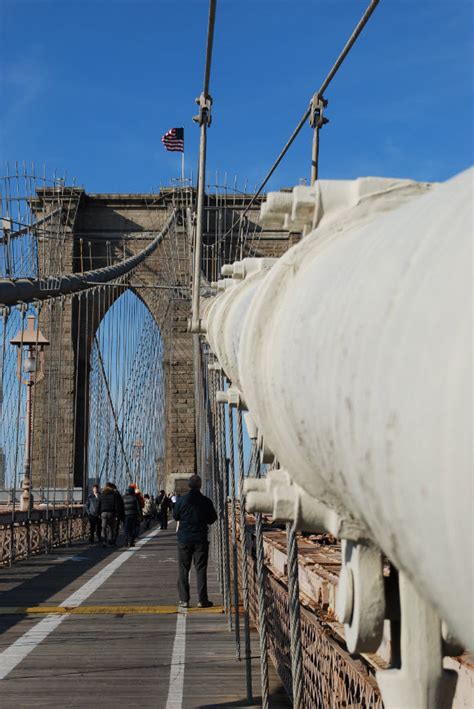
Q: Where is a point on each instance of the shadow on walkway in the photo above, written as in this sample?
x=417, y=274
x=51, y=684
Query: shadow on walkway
x=278, y=700
x=32, y=582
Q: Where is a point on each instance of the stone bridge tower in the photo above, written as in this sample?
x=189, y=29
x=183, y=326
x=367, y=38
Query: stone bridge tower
x=103, y=229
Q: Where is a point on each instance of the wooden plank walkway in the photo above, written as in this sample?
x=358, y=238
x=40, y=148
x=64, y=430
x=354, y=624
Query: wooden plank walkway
x=124, y=657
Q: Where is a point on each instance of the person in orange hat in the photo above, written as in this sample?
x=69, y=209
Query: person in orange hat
x=141, y=499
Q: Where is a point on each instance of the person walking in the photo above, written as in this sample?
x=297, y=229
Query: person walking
x=148, y=511
x=120, y=516
x=108, y=509
x=132, y=515
x=158, y=501
x=164, y=508
x=141, y=502
x=195, y=513
x=91, y=507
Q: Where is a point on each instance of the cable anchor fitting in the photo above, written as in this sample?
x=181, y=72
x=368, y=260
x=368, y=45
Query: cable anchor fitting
x=204, y=101
x=317, y=119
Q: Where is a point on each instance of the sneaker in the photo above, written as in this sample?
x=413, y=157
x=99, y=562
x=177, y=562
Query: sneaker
x=183, y=604
x=205, y=604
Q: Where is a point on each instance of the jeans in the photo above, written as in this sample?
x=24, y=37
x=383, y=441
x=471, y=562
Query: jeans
x=186, y=554
x=95, y=524
x=108, y=523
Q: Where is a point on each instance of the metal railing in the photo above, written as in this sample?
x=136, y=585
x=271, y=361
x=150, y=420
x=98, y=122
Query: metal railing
x=38, y=531
x=329, y=670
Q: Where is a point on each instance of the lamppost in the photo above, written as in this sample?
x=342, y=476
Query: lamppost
x=138, y=450
x=34, y=343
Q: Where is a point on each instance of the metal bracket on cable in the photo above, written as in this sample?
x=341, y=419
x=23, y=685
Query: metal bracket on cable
x=203, y=119
x=317, y=120
x=204, y=101
x=233, y=397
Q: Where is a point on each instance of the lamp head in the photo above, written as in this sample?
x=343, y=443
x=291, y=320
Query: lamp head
x=29, y=337
x=29, y=364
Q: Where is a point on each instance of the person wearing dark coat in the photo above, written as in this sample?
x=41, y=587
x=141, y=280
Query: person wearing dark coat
x=132, y=512
x=90, y=508
x=109, y=509
x=162, y=505
x=120, y=516
x=195, y=513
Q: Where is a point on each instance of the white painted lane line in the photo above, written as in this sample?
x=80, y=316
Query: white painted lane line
x=93, y=584
x=175, y=691
x=13, y=655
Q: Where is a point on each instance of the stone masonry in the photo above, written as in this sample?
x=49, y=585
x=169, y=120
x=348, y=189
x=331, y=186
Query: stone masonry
x=103, y=229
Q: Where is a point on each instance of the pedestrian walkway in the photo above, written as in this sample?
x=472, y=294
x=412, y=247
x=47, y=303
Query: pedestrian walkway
x=93, y=627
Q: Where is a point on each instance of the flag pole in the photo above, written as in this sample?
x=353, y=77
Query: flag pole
x=182, y=169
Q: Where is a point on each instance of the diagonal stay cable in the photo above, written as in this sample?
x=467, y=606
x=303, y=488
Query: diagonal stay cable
x=27, y=289
x=347, y=47
x=109, y=397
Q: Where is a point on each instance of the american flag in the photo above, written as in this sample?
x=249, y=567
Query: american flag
x=174, y=140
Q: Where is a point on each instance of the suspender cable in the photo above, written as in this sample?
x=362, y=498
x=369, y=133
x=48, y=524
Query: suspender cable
x=244, y=560
x=235, y=553
x=261, y=584
x=295, y=621
x=317, y=120
x=109, y=399
x=27, y=289
x=224, y=515
x=210, y=40
x=204, y=120
x=309, y=111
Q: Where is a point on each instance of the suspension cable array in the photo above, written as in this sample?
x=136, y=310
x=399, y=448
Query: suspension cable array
x=99, y=410
x=27, y=290
x=116, y=345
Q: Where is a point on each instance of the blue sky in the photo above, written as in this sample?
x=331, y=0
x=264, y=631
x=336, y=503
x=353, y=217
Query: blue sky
x=89, y=87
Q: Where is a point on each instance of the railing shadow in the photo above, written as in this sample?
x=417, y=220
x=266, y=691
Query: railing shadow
x=43, y=583
x=278, y=700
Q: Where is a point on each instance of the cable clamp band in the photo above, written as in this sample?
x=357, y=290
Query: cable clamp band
x=317, y=119
x=204, y=101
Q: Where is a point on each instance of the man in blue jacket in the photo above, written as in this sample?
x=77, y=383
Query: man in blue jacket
x=194, y=512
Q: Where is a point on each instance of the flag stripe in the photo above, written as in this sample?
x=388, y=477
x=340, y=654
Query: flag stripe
x=173, y=140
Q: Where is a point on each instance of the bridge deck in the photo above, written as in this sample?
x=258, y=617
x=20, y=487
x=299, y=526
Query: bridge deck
x=113, y=637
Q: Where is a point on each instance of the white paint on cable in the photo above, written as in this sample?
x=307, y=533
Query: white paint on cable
x=21, y=648
x=175, y=690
